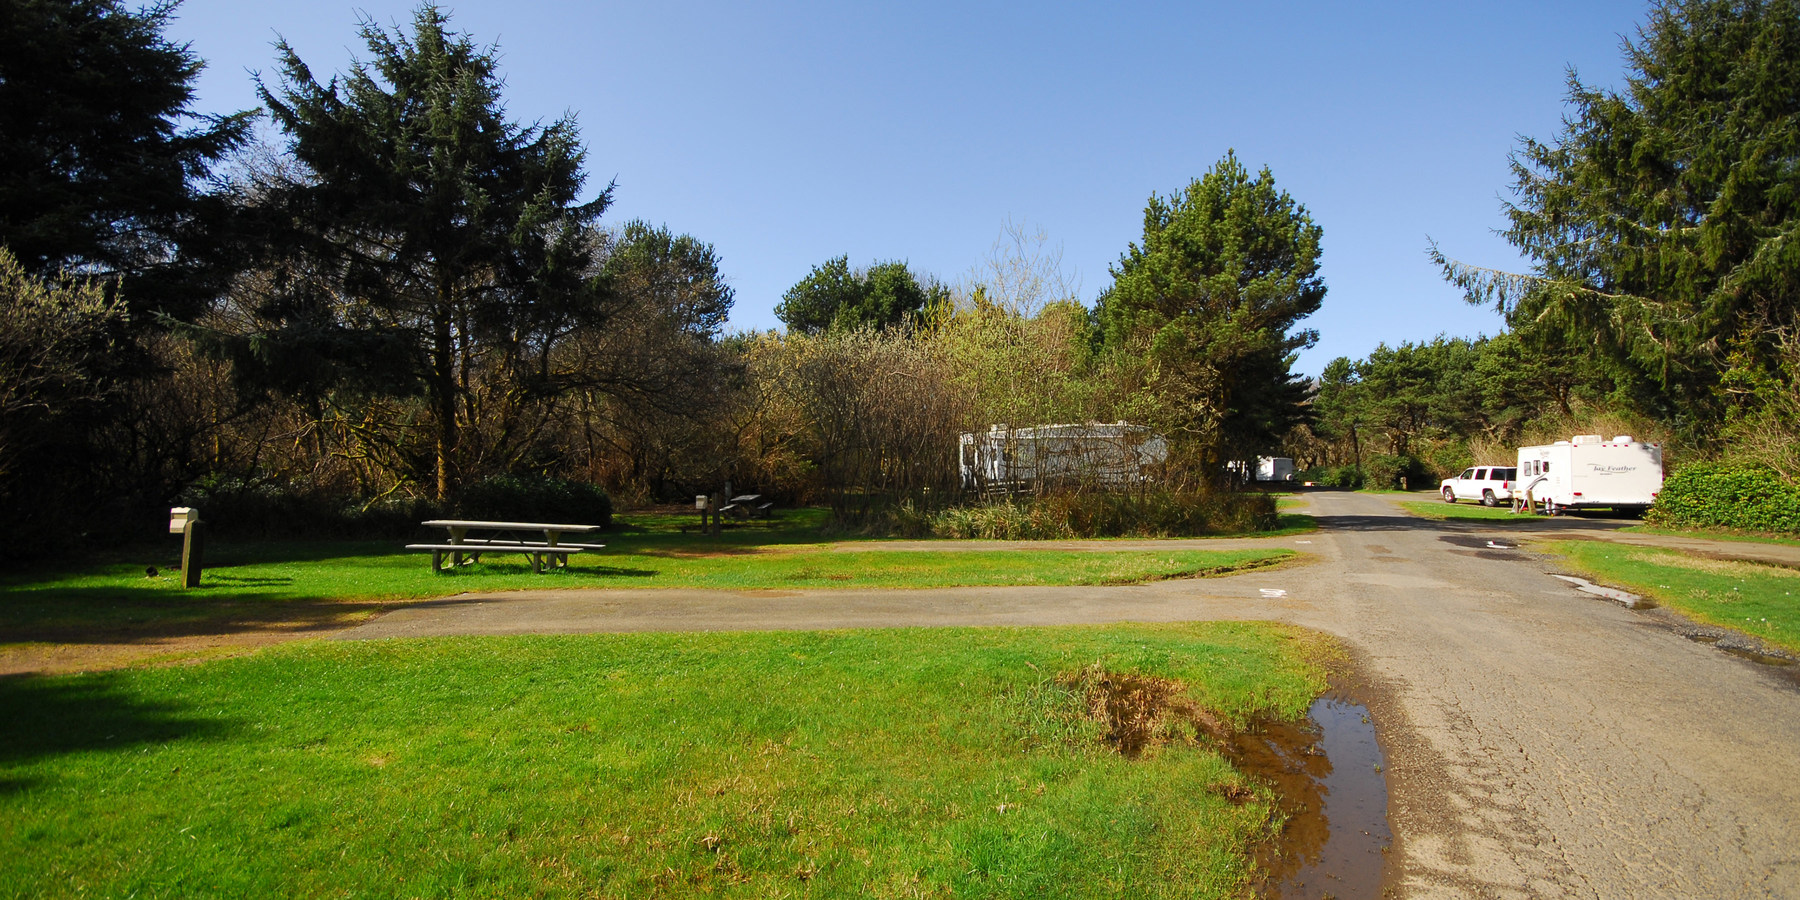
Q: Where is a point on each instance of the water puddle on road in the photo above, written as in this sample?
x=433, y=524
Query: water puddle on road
x=1756, y=657
x=1742, y=652
x=1329, y=773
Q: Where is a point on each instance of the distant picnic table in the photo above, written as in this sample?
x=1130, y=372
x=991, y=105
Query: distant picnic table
x=746, y=506
x=469, y=538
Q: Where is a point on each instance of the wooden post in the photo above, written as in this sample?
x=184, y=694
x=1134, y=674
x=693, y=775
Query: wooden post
x=185, y=521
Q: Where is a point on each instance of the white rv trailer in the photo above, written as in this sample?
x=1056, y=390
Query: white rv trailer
x=1274, y=468
x=1268, y=468
x=1099, y=453
x=1589, y=472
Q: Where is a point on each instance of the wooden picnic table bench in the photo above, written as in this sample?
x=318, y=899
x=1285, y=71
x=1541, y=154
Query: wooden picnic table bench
x=551, y=552
x=748, y=506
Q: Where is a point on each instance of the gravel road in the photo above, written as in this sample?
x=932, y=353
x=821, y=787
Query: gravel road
x=1541, y=742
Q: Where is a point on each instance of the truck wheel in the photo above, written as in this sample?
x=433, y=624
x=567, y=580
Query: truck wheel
x=1449, y=495
x=1488, y=499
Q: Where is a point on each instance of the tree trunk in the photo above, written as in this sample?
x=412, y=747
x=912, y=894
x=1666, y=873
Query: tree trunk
x=443, y=397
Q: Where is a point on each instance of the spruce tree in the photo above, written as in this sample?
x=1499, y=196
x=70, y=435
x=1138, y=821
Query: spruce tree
x=102, y=160
x=422, y=218
x=1662, y=222
x=1207, y=307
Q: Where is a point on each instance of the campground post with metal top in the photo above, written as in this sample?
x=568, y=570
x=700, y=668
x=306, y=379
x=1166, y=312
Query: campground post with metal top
x=185, y=521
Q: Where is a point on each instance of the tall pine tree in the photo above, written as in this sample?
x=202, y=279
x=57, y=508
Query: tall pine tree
x=422, y=219
x=1663, y=224
x=102, y=161
x=1207, y=306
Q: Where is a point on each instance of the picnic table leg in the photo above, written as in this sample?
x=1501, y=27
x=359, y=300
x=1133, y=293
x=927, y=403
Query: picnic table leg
x=457, y=535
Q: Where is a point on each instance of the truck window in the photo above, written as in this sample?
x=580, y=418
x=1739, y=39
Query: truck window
x=1509, y=474
x=1467, y=475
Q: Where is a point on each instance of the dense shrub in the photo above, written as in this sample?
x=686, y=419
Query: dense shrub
x=237, y=509
x=1076, y=515
x=536, y=498
x=1719, y=495
x=1346, y=477
x=1385, y=471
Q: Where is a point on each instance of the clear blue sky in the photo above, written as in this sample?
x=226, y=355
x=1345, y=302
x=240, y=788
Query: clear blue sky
x=789, y=133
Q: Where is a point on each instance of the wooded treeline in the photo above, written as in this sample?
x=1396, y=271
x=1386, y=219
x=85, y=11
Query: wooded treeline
x=405, y=300
x=1664, y=298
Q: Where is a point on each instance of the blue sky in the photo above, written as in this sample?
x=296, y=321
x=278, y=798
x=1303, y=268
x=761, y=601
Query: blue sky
x=789, y=133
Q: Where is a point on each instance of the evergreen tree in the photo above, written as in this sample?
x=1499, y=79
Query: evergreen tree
x=675, y=277
x=1418, y=391
x=832, y=296
x=1662, y=222
x=101, y=159
x=422, y=219
x=1208, y=303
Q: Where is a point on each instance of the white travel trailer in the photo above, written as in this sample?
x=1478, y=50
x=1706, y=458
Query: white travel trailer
x=1097, y=453
x=1274, y=468
x=1589, y=472
x=1268, y=468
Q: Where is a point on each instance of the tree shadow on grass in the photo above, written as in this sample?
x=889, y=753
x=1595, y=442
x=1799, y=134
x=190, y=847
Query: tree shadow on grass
x=51, y=717
x=83, y=616
x=615, y=572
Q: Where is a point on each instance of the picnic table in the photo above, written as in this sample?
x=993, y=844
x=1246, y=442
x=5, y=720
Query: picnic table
x=505, y=537
x=747, y=506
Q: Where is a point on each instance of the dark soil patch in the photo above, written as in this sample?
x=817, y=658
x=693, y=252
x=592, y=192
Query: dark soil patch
x=1326, y=772
x=1142, y=711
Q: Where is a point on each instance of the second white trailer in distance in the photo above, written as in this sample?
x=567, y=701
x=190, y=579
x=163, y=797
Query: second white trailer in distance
x=1590, y=473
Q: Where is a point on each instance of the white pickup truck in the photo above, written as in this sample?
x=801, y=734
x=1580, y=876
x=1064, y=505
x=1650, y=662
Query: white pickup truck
x=1492, y=485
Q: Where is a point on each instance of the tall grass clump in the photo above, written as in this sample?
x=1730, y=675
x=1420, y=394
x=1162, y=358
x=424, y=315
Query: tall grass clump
x=1093, y=515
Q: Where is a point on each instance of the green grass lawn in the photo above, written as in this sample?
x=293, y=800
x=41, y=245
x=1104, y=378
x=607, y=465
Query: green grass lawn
x=1756, y=599
x=898, y=763
x=251, y=581
x=240, y=580
x=1717, y=534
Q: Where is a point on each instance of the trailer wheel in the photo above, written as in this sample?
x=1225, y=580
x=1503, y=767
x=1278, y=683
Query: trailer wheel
x=1449, y=495
x=1488, y=498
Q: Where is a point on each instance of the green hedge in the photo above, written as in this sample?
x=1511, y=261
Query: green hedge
x=1722, y=495
x=1384, y=472
x=256, y=510
x=1349, y=477
x=238, y=509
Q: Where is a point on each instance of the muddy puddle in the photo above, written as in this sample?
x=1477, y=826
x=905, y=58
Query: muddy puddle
x=1330, y=774
x=1742, y=652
